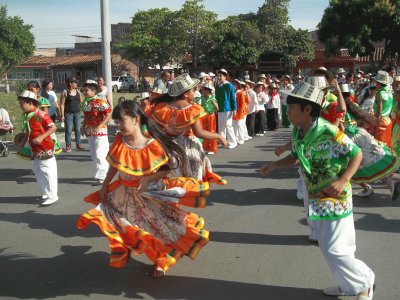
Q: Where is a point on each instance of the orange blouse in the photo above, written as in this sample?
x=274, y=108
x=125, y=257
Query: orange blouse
x=136, y=161
x=242, y=105
x=177, y=120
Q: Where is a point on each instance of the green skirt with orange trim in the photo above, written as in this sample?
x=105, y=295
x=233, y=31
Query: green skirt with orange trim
x=150, y=222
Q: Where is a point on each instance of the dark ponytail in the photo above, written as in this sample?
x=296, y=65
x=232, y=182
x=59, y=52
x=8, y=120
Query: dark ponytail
x=45, y=83
x=360, y=115
x=175, y=152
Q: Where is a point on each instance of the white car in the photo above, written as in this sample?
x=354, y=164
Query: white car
x=123, y=83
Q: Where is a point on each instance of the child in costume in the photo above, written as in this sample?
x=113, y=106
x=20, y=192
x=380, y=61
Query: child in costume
x=96, y=114
x=37, y=127
x=396, y=128
x=239, y=118
x=140, y=211
x=328, y=159
x=209, y=121
x=181, y=118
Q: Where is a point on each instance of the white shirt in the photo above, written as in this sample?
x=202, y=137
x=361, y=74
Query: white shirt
x=104, y=93
x=52, y=100
x=274, y=102
x=287, y=88
x=262, y=99
x=252, y=101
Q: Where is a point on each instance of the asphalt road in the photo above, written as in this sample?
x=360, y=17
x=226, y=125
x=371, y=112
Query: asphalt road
x=258, y=249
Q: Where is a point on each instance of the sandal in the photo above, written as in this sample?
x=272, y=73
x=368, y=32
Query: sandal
x=157, y=272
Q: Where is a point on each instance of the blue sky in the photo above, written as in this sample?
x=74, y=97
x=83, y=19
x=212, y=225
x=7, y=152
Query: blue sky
x=54, y=21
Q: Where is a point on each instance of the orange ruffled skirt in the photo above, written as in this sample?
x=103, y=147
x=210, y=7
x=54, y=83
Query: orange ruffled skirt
x=150, y=222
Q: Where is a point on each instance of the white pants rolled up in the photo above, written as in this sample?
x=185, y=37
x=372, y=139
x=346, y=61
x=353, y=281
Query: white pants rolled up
x=99, y=148
x=46, y=176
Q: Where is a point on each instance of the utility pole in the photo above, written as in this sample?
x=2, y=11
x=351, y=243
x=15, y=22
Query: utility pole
x=105, y=46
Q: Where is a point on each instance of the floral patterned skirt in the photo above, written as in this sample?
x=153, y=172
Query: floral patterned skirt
x=378, y=160
x=150, y=222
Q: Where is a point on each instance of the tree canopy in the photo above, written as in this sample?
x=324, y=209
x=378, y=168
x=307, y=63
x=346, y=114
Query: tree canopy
x=161, y=36
x=16, y=41
x=358, y=25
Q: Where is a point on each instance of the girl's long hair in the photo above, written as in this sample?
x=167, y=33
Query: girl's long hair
x=174, y=151
x=360, y=115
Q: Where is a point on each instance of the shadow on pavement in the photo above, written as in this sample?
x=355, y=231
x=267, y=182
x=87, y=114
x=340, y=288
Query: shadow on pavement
x=77, y=274
x=61, y=225
x=258, y=238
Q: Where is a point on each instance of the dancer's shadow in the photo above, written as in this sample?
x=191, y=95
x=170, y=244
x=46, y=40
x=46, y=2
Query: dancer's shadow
x=61, y=225
x=77, y=273
x=377, y=223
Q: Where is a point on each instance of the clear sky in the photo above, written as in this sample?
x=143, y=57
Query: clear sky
x=54, y=21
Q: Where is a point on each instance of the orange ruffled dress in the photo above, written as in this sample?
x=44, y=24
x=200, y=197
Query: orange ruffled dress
x=178, y=122
x=149, y=222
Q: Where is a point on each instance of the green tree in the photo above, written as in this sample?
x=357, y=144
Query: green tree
x=358, y=25
x=237, y=43
x=300, y=46
x=17, y=42
x=198, y=29
x=150, y=38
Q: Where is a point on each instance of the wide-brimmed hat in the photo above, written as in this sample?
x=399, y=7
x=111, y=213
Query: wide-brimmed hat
x=322, y=69
x=383, y=77
x=307, y=92
x=211, y=74
x=273, y=85
x=262, y=76
x=208, y=85
x=181, y=84
x=202, y=74
x=223, y=71
x=144, y=95
x=259, y=83
x=317, y=81
x=396, y=78
x=340, y=71
x=345, y=88
x=29, y=96
x=93, y=83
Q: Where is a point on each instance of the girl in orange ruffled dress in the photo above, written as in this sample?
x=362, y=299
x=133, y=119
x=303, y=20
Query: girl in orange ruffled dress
x=140, y=211
x=181, y=117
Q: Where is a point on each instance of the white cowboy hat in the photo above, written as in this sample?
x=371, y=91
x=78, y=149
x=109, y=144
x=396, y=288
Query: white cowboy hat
x=223, y=71
x=202, y=74
x=383, y=77
x=144, y=95
x=340, y=71
x=317, y=81
x=91, y=82
x=344, y=87
x=211, y=74
x=262, y=76
x=259, y=83
x=209, y=86
x=181, y=84
x=322, y=69
x=307, y=92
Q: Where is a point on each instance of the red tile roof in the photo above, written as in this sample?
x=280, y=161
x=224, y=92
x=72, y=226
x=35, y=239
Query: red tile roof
x=67, y=60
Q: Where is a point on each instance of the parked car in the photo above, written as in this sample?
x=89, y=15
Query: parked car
x=123, y=83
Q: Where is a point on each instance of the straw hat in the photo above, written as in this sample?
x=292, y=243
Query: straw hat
x=340, y=71
x=344, y=87
x=273, y=85
x=262, y=76
x=209, y=86
x=223, y=71
x=92, y=83
x=28, y=95
x=259, y=83
x=211, y=74
x=307, y=92
x=181, y=84
x=383, y=77
x=317, y=81
x=322, y=69
x=144, y=95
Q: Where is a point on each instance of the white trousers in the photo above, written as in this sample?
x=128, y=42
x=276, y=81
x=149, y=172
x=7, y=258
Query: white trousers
x=225, y=127
x=302, y=192
x=46, y=176
x=99, y=147
x=239, y=127
x=337, y=241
